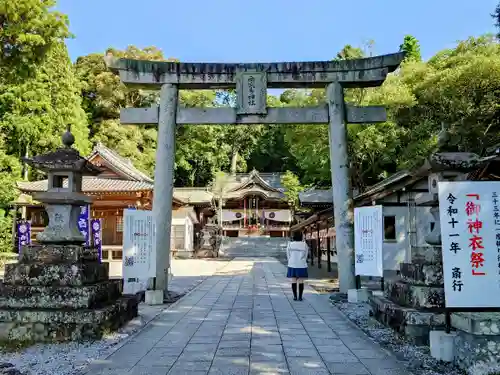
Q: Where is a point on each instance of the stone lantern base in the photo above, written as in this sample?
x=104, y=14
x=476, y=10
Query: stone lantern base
x=59, y=293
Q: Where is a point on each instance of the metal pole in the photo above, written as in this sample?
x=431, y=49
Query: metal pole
x=341, y=185
x=328, y=255
x=319, y=245
x=164, y=182
x=312, y=247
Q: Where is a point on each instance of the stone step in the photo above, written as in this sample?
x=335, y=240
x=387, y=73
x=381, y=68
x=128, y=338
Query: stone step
x=57, y=297
x=411, y=323
x=27, y=325
x=414, y=296
x=422, y=273
x=253, y=247
x=63, y=274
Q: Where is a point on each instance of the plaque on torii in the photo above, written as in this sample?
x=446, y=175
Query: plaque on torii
x=251, y=82
x=251, y=93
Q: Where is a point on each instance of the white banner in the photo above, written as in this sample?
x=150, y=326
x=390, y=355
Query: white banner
x=470, y=235
x=228, y=215
x=368, y=241
x=278, y=215
x=139, y=255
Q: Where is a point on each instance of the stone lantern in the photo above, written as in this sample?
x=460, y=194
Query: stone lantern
x=59, y=290
x=64, y=198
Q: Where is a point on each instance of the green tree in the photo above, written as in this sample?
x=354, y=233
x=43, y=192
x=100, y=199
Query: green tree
x=411, y=47
x=35, y=112
x=28, y=30
x=219, y=187
x=39, y=94
x=9, y=172
x=201, y=150
x=293, y=187
x=349, y=52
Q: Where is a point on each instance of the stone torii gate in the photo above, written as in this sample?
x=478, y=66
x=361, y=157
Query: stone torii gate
x=251, y=82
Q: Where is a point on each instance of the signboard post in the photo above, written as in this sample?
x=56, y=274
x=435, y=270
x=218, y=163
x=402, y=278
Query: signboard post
x=368, y=241
x=139, y=253
x=470, y=236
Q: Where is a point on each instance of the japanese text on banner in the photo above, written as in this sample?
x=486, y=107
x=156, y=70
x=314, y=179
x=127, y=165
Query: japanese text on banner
x=83, y=223
x=470, y=235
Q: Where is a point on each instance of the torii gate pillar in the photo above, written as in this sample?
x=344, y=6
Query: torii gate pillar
x=164, y=186
x=341, y=186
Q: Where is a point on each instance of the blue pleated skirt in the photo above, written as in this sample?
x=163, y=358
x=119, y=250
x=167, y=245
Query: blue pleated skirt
x=297, y=272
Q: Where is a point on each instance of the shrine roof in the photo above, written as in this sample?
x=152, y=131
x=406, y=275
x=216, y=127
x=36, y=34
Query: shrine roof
x=267, y=181
x=194, y=195
x=95, y=185
x=238, y=186
x=316, y=196
x=122, y=165
x=91, y=184
x=325, y=196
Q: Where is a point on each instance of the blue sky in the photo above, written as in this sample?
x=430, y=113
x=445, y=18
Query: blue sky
x=271, y=30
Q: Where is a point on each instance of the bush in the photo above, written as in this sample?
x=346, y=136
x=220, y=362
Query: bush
x=6, y=241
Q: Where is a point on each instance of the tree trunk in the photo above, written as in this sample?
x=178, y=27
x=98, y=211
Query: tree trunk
x=220, y=211
x=25, y=166
x=234, y=161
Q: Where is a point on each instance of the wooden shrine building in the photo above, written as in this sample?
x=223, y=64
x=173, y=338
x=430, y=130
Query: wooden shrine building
x=119, y=186
x=253, y=204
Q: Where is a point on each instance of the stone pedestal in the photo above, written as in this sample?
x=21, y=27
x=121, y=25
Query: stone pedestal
x=58, y=293
x=358, y=295
x=442, y=345
x=408, y=302
x=154, y=297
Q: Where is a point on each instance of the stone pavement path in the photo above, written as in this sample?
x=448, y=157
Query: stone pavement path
x=243, y=320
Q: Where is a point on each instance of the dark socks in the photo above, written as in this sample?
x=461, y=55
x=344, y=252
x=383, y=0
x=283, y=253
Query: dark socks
x=294, y=290
x=301, y=291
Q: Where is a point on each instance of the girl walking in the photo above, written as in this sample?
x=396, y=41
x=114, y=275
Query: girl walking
x=296, y=253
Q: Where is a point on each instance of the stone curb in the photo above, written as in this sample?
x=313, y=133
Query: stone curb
x=388, y=351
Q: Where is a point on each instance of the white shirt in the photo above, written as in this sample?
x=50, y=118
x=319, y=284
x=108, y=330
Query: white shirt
x=296, y=253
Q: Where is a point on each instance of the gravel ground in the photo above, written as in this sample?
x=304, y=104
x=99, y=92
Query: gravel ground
x=417, y=358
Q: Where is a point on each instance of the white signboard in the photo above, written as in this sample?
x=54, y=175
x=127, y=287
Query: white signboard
x=368, y=241
x=470, y=235
x=139, y=253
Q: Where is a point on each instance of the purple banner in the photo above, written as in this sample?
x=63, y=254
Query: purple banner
x=97, y=236
x=83, y=223
x=23, y=234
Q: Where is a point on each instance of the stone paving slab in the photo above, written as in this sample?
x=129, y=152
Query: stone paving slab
x=243, y=320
